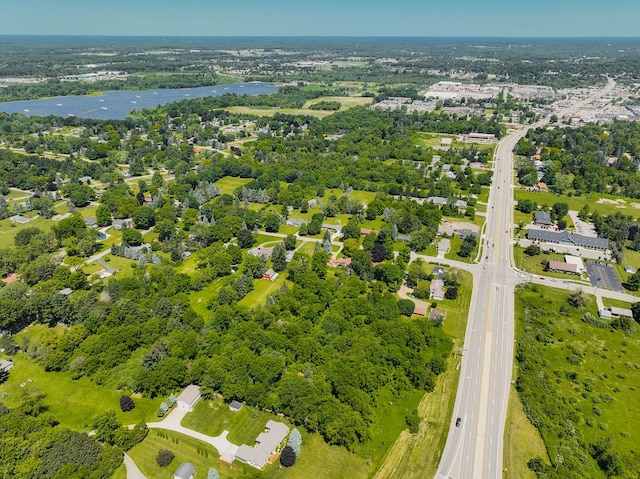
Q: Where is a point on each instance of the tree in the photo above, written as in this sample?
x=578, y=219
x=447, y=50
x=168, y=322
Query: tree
x=635, y=310
x=290, y=242
x=131, y=237
x=406, y=307
x=451, y=293
x=295, y=441
x=378, y=253
x=272, y=222
x=532, y=250
x=144, y=217
x=103, y=215
x=245, y=239
x=467, y=246
x=576, y=299
x=288, y=457
x=164, y=457
x=165, y=229
x=633, y=283
x=126, y=403
x=559, y=210
x=279, y=258
x=351, y=230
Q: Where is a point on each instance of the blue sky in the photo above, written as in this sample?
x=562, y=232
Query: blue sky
x=323, y=17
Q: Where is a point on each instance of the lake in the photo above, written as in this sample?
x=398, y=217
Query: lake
x=117, y=105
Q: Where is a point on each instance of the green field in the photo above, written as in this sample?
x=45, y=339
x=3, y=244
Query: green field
x=262, y=289
x=346, y=102
x=533, y=264
x=580, y=383
x=72, y=402
x=9, y=230
x=577, y=202
x=230, y=183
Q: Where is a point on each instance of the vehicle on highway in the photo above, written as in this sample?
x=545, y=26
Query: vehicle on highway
x=541, y=278
x=458, y=422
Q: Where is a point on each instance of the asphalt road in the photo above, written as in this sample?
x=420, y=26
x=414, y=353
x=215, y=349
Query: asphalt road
x=474, y=449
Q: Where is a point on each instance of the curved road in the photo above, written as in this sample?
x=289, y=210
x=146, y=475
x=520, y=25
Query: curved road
x=474, y=445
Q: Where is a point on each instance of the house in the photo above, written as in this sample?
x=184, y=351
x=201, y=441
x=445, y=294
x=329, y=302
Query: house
x=436, y=314
x=444, y=245
x=542, y=218
x=296, y=222
x=436, y=289
x=403, y=238
x=575, y=260
x=438, y=272
x=564, y=237
x=437, y=200
x=65, y=292
x=121, y=224
x=185, y=471
x=629, y=269
x=542, y=186
x=366, y=231
x=617, y=312
x=446, y=141
x=91, y=222
x=604, y=313
x=420, y=308
x=189, y=397
x=235, y=406
x=267, y=444
x=340, y=261
x=270, y=274
x=5, y=365
x=259, y=251
x=563, y=267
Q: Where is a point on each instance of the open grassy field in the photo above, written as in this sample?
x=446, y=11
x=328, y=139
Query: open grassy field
x=9, y=230
x=262, y=289
x=456, y=242
x=230, y=183
x=199, y=299
x=522, y=441
x=346, y=102
x=577, y=202
x=71, y=402
x=417, y=456
x=586, y=373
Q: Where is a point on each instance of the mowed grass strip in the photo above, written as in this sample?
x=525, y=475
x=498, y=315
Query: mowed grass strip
x=229, y=183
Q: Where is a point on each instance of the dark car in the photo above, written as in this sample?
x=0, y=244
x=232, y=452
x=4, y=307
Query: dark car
x=458, y=421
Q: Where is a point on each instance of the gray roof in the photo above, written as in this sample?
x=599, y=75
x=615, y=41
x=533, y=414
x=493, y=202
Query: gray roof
x=235, y=405
x=466, y=233
x=5, y=365
x=568, y=238
x=542, y=218
x=185, y=471
x=65, y=291
x=190, y=395
x=266, y=443
x=615, y=311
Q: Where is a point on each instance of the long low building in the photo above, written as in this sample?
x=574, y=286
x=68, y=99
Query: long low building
x=564, y=237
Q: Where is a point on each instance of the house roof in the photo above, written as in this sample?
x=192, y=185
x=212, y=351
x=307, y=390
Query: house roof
x=266, y=443
x=190, y=395
x=542, y=218
x=340, y=261
x=235, y=405
x=185, y=471
x=567, y=238
x=5, y=365
x=12, y=278
x=270, y=272
x=437, y=288
x=436, y=314
x=420, y=308
x=615, y=311
x=65, y=291
x=561, y=266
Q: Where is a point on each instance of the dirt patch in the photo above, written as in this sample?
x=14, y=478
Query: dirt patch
x=636, y=205
x=611, y=202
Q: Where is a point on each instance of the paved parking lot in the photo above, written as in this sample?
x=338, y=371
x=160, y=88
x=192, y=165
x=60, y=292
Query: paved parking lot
x=603, y=276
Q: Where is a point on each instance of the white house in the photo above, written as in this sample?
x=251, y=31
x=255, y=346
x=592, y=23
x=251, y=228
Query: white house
x=189, y=397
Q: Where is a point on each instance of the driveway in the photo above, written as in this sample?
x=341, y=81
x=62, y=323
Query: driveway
x=226, y=449
x=132, y=470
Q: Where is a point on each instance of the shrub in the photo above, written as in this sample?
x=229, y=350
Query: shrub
x=164, y=457
x=452, y=293
x=288, y=457
x=126, y=403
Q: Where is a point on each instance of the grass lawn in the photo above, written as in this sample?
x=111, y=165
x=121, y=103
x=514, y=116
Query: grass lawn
x=9, y=230
x=185, y=448
x=365, y=197
x=199, y=299
x=456, y=242
x=308, y=248
x=262, y=289
x=214, y=416
x=346, y=102
x=14, y=194
x=288, y=229
x=522, y=441
x=577, y=202
x=230, y=183
x=72, y=402
x=533, y=264
x=601, y=391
